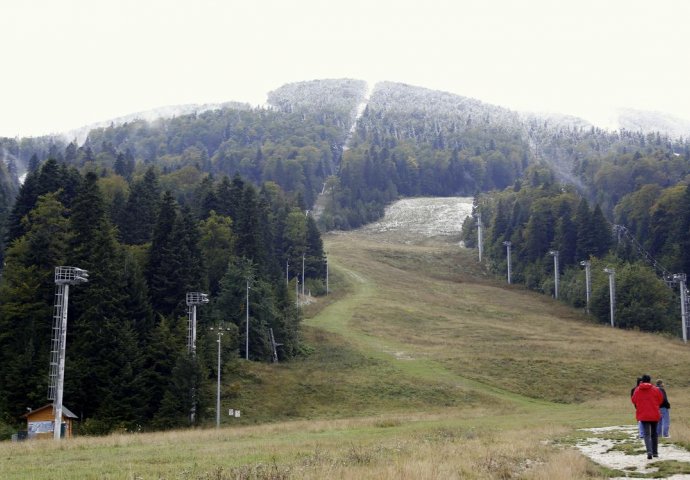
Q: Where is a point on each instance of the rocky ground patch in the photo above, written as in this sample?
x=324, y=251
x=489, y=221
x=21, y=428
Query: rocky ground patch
x=620, y=448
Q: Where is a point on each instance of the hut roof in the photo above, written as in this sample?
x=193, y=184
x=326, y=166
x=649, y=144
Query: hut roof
x=66, y=412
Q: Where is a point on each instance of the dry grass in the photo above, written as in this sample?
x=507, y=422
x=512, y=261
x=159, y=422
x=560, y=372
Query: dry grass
x=414, y=448
x=433, y=302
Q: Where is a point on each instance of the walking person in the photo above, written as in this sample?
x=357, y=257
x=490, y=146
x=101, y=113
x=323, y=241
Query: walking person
x=639, y=424
x=665, y=421
x=647, y=400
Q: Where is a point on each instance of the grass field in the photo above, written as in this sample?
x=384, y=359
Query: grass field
x=421, y=366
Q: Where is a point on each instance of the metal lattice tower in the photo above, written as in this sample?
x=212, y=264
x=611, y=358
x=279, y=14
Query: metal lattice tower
x=193, y=299
x=64, y=277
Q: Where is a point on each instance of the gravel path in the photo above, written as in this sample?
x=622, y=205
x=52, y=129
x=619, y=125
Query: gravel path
x=599, y=449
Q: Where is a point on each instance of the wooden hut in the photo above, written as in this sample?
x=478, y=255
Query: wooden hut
x=40, y=422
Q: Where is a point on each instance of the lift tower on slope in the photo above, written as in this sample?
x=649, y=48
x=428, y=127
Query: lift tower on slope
x=193, y=299
x=64, y=277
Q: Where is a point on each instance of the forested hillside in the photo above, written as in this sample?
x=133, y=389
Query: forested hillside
x=127, y=363
x=587, y=181
x=211, y=200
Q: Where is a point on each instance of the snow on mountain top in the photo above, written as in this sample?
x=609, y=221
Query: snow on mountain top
x=168, y=111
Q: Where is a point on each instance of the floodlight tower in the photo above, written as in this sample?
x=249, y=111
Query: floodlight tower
x=508, y=245
x=193, y=299
x=681, y=278
x=554, y=254
x=588, y=281
x=612, y=291
x=64, y=277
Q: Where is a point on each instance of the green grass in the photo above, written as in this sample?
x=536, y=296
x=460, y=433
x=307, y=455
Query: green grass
x=420, y=365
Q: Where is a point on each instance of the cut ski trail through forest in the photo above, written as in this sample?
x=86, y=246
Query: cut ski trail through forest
x=358, y=114
x=416, y=220
x=318, y=205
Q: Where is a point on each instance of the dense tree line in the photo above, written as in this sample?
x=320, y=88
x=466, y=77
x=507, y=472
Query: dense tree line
x=127, y=361
x=539, y=215
x=607, y=165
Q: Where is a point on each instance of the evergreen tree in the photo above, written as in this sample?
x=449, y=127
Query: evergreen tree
x=51, y=177
x=225, y=197
x=231, y=305
x=186, y=234
x=71, y=153
x=34, y=163
x=539, y=231
x=217, y=246
x=206, y=198
x=137, y=223
x=103, y=360
x=296, y=239
x=316, y=263
x=180, y=395
x=164, y=346
x=137, y=299
x=602, y=235
x=586, y=242
x=120, y=166
x=27, y=289
x=163, y=271
x=565, y=240
x=249, y=242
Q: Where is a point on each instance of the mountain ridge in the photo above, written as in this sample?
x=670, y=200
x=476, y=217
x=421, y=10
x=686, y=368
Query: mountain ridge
x=622, y=118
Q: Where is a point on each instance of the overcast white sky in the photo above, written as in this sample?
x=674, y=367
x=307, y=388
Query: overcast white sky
x=68, y=63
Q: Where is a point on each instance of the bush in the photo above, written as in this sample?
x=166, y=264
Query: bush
x=6, y=431
x=315, y=286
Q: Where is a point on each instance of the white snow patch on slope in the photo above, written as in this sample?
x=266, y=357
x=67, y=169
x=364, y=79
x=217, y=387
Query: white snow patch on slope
x=599, y=450
x=424, y=217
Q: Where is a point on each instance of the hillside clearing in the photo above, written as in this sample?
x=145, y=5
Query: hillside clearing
x=421, y=365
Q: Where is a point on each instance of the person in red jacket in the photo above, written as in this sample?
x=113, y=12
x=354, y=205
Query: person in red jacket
x=647, y=399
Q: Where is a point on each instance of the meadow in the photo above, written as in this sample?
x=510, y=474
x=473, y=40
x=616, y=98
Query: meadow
x=419, y=365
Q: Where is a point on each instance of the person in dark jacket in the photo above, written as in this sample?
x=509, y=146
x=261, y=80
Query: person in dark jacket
x=665, y=422
x=647, y=400
x=640, y=429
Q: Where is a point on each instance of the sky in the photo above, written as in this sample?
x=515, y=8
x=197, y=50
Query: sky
x=70, y=63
